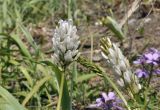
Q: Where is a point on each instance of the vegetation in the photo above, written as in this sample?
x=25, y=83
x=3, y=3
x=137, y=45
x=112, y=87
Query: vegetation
x=61, y=77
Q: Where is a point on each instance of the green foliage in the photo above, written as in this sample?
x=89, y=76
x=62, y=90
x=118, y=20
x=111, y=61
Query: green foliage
x=114, y=27
x=35, y=75
x=8, y=102
x=27, y=11
x=29, y=77
x=101, y=72
x=18, y=63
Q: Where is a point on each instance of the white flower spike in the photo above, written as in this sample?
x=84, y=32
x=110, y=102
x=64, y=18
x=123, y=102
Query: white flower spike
x=119, y=64
x=65, y=42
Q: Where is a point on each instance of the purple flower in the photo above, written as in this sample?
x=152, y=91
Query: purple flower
x=157, y=71
x=99, y=102
x=153, y=50
x=141, y=60
x=108, y=102
x=141, y=73
x=151, y=57
x=110, y=96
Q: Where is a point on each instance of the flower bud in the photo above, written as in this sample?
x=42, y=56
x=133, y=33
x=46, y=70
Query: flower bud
x=121, y=82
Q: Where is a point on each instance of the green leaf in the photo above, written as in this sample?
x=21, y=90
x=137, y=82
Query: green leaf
x=11, y=101
x=66, y=101
x=35, y=89
x=5, y=106
x=27, y=75
x=56, y=70
x=114, y=27
x=62, y=85
x=62, y=90
x=47, y=70
x=21, y=45
x=64, y=98
x=28, y=36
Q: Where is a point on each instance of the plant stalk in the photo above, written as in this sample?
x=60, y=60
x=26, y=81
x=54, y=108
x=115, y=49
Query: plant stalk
x=61, y=92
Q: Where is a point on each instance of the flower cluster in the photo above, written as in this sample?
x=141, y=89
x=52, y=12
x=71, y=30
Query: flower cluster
x=149, y=62
x=120, y=65
x=65, y=42
x=108, y=102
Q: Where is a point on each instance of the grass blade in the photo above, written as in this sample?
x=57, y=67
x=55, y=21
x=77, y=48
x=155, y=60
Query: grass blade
x=27, y=75
x=10, y=99
x=28, y=36
x=21, y=45
x=35, y=89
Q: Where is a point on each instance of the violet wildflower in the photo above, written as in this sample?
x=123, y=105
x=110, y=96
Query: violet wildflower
x=108, y=102
x=141, y=73
x=65, y=42
x=157, y=71
x=149, y=62
x=151, y=57
x=141, y=60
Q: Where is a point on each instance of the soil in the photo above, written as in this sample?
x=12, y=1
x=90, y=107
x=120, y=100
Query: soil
x=142, y=28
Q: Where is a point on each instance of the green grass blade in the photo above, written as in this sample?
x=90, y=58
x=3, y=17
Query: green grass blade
x=18, y=42
x=56, y=70
x=10, y=99
x=21, y=45
x=27, y=75
x=35, y=89
x=4, y=105
x=28, y=36
x=66, y=101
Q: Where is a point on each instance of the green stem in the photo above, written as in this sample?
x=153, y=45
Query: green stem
x=60, y=92
x=150, y=76
x=69, y=10
x=146, y=89
x=71, y=91
x=145, y=100
x=117, y=90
